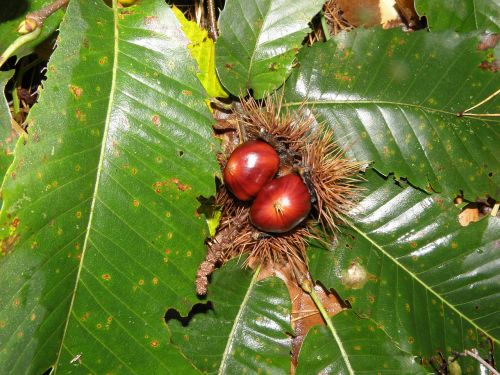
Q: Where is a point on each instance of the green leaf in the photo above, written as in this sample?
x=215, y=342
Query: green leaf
x=202, y=49
x=7, y=134
x=99, y=226
x=13, y=12
x=363, y=348
x=258, y=42
x=248, y=329
x=408, y=264
x=460, y=15
x=392, y=97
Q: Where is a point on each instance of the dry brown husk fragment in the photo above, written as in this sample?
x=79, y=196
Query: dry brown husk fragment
x=306, y=148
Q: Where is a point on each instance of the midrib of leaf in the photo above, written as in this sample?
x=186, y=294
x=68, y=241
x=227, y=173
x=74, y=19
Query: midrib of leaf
x=475, y=13
x=256, y=42
x=98, y=176
x=345, y=357
x=336, y=336
x=387, y=102
x=227, y=350
x=402, y=267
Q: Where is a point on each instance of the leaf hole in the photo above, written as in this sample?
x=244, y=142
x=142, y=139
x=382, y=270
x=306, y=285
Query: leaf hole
x=180, y=153
x=474, y=211
x=199, y=308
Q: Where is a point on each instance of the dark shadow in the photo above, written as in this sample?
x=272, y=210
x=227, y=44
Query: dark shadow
x=10, y=9
x=199, y=308
x=344, y=303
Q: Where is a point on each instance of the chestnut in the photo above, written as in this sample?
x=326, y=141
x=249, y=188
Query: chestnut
x=281, y=204
x=250, y=166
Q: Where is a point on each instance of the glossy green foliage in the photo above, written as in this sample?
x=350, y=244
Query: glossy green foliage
x=246, y=331
x=363, y=348
x=258, y=42
x=393, y=98
x=408, y=264
x=7, y=135
x=100, y=233
x=460, y=15
x=13, y=12
x=202, y=48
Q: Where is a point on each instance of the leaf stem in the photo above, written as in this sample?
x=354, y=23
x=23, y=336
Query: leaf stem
x=18, y=43
x=474, y=354
x=464, y=113
x=308, y=288
x=324, y=26
x=220, y=104
x=480, y=114
x=35, y=20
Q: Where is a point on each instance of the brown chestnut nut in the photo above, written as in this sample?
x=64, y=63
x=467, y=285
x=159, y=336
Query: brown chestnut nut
x=281, y=205
x=250, y=166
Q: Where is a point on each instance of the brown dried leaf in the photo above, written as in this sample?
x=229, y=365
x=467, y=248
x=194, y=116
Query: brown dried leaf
x=468, y=215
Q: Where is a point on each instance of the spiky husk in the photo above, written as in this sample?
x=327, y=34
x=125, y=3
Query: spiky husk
x=312, y=151
x=305, y=147
x=334, y=178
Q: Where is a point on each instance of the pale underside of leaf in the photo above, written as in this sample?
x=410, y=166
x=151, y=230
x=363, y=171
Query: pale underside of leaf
x=202, y=49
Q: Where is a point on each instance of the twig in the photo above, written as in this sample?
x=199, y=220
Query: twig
x=31, y=27
x=35, y=20
x=212, y=22
x=474, y=354
x=220, y=104
x=16, y=44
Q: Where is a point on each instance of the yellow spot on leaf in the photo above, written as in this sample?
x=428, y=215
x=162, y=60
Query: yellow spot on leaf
x=76, y=91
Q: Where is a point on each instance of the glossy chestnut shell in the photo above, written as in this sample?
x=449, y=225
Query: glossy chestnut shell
x=250, y=166
x=281, y=205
